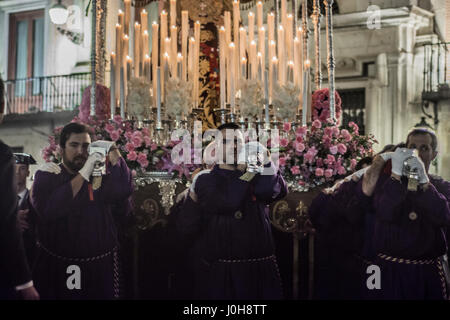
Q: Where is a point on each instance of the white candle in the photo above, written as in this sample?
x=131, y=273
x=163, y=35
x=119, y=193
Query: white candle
x=196, y=61
x=112, y=85
x=260, y=64
x=251, y=26
x=122, y=92
x=259, y=14
x=191, y=58
x=289, y=36
x=125, y=44
x=222, y=70
x=173, y=12
x=270, y=27
x=232, y=86
x=155, y=57
x=274, y=79
x=147, y=67
x=296, y=61
x=166, y=66
x=253, y=60
x=173, y=51
x=145, y=48
x=144, y=20
x=242, y=42
x=119, y=60
x=244, y=68
x=129, y=68
x=227, y=24
x=163, y=49
x=262, y=48
x=158, y=98
x=283, y=16
x=137, y=50
x=290, y=66
x=281, y=57
x=179, y=65
x=266, y=97
x=184, y=41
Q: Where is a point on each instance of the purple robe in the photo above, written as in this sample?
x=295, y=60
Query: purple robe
x=343, y=223
x=78, y=231
x=232, y=253
x=411, y=225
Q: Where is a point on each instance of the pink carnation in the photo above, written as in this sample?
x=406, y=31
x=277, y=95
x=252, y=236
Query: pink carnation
x=299, y=139
x=333, y=149
x=319, y=162
x=335, y=131
x=328, y=173
x=136, y=140
x=301, y=131
x=153, y=146
x=341, y=170
x=287, y=126
x=328, y=131
x=132, y=156
x=109, y=128
x=346, y=135
x=300, y=147
x=309, y=156
x=284, y=142
x=147, y=141
x=319, y=172
x=341, y=148
x=129, y=147
x=128, y=135
x=142, y=159
x=317, y=124
x=114, y=135
x=295, y=170
x=282, y=161
x=331, y=159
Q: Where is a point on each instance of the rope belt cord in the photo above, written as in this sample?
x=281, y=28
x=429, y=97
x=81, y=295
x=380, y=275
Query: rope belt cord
x=76, y=259
x=272, y=257
x=406, y=261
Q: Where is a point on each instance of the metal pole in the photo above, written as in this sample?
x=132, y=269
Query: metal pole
x=276, y=3
x=329, y=15
x=93, y=55
x=316, y=22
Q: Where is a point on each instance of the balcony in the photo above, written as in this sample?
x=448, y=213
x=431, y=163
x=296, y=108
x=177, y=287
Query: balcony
x=45, y=94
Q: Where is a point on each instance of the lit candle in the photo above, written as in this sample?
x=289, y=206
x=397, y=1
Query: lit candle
x=145, y=48
x=120, y=18
x=259, y=14
x=289, y=36
x=122, y=91
x=184, y=40
x=270, y=27
x=253, y=60
x=260, y=69
x=262, y=49
x=119, y=59
x=290, y=66
x=251, y=26
x=266, y=97
x=144, y=20
x=305, y=92
x=283, y=16
x=127, y=16
x=233, y=68
x=112, y=83
x=222, y=71
x=137, y=50
x=173, y=12
x=163, y=48
x=191, y=58
x=236, y=18
x=196, y=61
x=296, y=61
x=179, y=65
x=125, y=48
x=129, y=66
x=147, y=67
x=281, y=57
x=174, y=50
x=274, y=79
x=242, y=42
x=155, y=57
x=166, y=64
x=244, y=68
x=158, y=98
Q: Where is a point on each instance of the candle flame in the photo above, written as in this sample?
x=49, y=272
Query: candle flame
x=244, y=59
x=250, y=13
x=144, y=11
x=163, y=12
x=154, y=23
x=259, y=54
x=272, y=42
x=253, y=43
x=307, y=63
x=128, y=58
x=145, y=33
x=241, y=29
x=166, y=55
x=125, y=37
x=120, y=11
x=136, y=24
x=274, y=59
x=231, y=44
x=117, y=25
x=262, y=29
x=147, y=56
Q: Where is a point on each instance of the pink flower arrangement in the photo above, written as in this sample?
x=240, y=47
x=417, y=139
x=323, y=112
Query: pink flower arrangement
x=102, y=104
x=321, y=153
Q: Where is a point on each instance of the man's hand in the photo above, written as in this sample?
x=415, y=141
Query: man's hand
x=22, y=217
x=114, y=156
x=398, y=159
x=29, y=294
x=372, y=174
x=50, y=167
x=88, y=167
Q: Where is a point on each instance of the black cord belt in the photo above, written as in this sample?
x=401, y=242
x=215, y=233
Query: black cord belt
x=89, y=259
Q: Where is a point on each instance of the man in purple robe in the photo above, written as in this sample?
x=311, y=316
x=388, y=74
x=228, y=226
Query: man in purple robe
x=77, y=235
x=226, y=219
x=410, y=228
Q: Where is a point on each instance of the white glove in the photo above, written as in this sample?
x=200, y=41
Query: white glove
x=88, y=167
x=50, y=167
x=256, y=156
x=398, y=158
x=386, y=156
x=416, y=165
x=101, y=144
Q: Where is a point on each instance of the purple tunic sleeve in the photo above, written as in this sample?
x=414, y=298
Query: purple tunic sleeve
x=51, y=200
x=269, y=188
x=435, y=204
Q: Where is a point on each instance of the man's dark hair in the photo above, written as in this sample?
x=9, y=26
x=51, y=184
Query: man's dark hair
x=229, y=125
x=417, y=131
x=70, y=128
x=387, y=148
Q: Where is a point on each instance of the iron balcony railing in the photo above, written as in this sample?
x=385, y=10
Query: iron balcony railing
x=50, y=94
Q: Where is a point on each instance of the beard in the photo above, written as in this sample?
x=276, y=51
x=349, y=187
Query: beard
x=76, y=163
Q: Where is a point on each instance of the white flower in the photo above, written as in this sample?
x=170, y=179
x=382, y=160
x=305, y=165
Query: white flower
x=178, y=97
x=139, y=101
x=252, y=98
x=286, y=100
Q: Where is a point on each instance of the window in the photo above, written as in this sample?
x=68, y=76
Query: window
x=353, y=107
